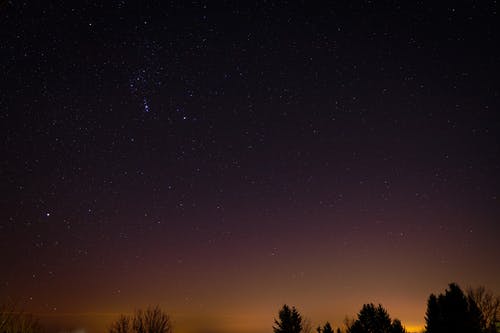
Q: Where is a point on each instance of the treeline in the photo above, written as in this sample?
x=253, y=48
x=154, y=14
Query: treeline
x=475, y=311
x=14, y=320
x=478, y=311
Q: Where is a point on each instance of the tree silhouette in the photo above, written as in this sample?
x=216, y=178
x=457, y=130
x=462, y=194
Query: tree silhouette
x=13, y=320
x=489, y=306
x=307, y=326
x=121, y=325
x=452, y=312
x=327, y=328
x=433, y=319
x=151, y=320
x=397, y=327
x=290, y=321
x=373, y=319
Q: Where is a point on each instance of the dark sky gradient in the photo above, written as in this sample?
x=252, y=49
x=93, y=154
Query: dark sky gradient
x=223, y=158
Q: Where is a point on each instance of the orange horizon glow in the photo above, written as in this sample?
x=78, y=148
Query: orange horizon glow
x=257, y=322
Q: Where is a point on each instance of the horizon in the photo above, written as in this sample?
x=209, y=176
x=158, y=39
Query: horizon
x=180, y=323
x=206, y=321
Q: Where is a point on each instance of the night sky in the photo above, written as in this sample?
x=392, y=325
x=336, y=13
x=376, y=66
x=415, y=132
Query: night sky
x=223, y=158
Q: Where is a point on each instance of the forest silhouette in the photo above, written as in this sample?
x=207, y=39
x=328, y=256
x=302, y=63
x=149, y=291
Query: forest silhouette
x=454, y=311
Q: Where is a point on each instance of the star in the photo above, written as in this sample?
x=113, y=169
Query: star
x=145, y=105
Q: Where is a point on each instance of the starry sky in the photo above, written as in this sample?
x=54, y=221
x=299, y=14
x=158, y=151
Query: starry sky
x=221, y=158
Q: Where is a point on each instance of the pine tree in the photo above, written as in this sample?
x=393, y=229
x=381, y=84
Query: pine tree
x=397, y=327
x=433, y=321
x=452, y=312
x=327, y=328
x=373, y=319
x=290, y=321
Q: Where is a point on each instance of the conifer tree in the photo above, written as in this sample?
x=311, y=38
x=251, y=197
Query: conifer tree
x=327, y=328
x=452, y=312
x=289, y=321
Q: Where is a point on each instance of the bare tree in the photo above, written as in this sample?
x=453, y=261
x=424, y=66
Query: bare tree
x=488, y=304
x=13, y=320
x=121, y=325
x=151, y=320
x=307, y=326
